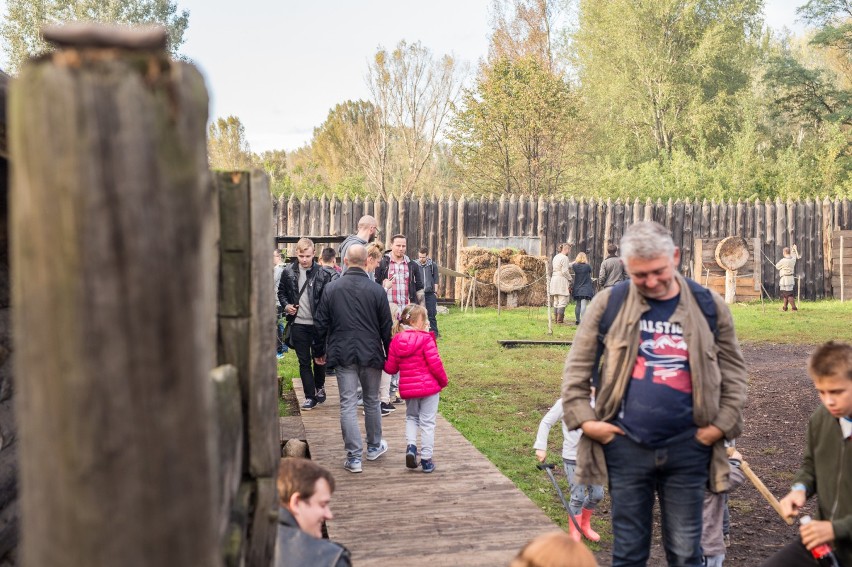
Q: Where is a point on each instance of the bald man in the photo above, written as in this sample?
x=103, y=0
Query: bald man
x=368, y=228
x=354, y=321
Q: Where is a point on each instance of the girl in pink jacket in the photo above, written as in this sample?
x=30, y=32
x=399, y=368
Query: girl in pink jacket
x=414, y=354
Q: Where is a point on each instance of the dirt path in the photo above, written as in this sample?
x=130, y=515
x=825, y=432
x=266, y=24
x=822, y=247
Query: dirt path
x=781, y=398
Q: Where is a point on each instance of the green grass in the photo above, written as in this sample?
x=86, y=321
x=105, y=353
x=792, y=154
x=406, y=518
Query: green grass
x=496, y=397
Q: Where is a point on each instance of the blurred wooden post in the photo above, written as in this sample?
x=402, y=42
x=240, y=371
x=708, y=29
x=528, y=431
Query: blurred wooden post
x=115, y=304
x=247, y=340
x=9, y=508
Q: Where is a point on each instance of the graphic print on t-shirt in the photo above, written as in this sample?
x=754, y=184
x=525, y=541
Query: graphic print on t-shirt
x=658, y=404
x=664, y=353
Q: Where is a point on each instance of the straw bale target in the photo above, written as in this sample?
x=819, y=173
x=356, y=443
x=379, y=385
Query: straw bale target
x=510, y=278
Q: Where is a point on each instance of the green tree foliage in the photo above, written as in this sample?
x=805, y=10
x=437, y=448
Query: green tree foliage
x=517, y=129
x=274, y=163
x=227, y=147
x=343, y=146
x=664, y=74
x=24, y=18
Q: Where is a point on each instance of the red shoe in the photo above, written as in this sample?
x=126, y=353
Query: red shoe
x=586, y=525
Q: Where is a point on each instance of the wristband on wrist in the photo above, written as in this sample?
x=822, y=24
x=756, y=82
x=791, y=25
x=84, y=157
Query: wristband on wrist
x=799, y=486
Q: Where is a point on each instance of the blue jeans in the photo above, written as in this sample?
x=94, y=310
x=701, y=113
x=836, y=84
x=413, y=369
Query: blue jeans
x=582, y=495
x=432, y=311
x=678, y=473
x=348, y=379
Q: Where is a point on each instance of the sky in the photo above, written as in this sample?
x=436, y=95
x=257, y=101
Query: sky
x=281, y=65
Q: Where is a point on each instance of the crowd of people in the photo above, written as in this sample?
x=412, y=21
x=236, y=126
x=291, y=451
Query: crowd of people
x=653, y=392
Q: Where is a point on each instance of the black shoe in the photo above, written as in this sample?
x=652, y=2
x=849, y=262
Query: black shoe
x=411, y=457
x=309, y=404
x=321, y=395
x=397, y=400
x=385, y=410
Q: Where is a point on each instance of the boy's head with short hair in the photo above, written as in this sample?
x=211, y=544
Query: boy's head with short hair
x=830, y=367
x=327, y=257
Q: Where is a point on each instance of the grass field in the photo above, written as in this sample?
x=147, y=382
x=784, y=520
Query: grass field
x=496, y=397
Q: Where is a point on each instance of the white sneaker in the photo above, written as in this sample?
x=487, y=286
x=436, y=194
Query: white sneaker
x=375, y=453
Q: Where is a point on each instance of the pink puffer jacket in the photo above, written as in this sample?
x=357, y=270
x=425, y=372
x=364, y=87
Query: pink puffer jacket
x=414, y=355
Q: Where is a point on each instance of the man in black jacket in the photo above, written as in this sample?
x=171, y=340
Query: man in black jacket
x=300, y=290
x=304, y=490
x=400, y=275
x=354, y=322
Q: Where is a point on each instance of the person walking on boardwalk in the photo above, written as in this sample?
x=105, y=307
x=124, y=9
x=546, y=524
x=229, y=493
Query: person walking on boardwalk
x=786, y=267
x=354, y=323
x=560, y=282
x=414, y=354
x=429, y=275
x=400, y=275
x=671, y=388
x=367, y=231
x=300, y=291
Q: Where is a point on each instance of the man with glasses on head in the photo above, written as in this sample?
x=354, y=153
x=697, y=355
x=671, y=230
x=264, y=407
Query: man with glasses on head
x=368, y=229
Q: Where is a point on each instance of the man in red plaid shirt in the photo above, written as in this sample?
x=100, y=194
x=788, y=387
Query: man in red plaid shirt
x=400, y=276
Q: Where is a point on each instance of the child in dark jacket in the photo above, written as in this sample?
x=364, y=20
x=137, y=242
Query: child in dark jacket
x=414, y=354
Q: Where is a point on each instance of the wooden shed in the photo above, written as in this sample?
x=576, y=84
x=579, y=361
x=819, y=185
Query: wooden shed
x=841, y=264
x=709, y=274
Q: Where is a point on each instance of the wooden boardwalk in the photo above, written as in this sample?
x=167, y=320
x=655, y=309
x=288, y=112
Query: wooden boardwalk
x=466, y=513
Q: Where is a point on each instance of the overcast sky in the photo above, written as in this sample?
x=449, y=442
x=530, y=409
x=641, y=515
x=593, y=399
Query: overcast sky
x=280, y=66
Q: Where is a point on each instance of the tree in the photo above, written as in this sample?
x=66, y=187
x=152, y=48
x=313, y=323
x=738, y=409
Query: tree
x=525, y=28
x=341, y=144
x=663, y=74
x=21, y=34
x=412, y=95
x=227, y=146
x=274, y=163
x=518, y=129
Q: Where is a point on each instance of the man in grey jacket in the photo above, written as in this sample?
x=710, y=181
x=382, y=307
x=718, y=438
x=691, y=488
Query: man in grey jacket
x=612, y=268
x=671, y=388
x=368, y=229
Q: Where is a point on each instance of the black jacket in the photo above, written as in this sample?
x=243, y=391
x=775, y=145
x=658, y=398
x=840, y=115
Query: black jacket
x=583, y=286
x=295, y=547
x=415, y=280
x=353, y=321
x=288, y=288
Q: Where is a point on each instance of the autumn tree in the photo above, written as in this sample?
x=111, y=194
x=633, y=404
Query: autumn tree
x=412, y=94
x=527, y=28
x=227, y=146
x=20, y=30
x=517, y=131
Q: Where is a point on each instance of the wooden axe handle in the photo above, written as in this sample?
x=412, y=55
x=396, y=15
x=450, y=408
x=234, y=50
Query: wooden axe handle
x=758, y=484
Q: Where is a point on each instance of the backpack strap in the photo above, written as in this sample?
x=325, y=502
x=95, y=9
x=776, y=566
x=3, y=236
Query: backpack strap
x=706, y=304
x=613, y=305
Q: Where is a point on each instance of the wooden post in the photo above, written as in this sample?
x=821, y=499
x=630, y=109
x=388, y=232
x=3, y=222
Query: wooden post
x=117, y=458
x=842, y=280
x=548, y=269
x=498, y=285
x=246, y=317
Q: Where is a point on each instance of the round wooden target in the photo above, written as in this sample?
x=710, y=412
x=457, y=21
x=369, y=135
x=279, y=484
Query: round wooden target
x=732, y=253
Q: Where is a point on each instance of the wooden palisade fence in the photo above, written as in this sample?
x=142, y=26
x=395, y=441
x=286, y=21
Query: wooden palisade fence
x=443, y=224
x=136, y=449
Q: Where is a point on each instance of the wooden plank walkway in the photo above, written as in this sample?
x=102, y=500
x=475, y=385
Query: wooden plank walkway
x=465, y=513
